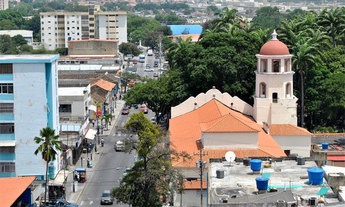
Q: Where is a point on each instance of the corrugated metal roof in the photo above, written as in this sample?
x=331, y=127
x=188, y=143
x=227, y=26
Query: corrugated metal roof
x=185, y=29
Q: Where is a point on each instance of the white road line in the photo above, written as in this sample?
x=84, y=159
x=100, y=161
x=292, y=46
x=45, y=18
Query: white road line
x=91, y=202
x=81, y=203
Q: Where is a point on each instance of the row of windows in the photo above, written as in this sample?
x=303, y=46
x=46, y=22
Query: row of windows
x=6, y=69
x=6, y=88
x=6, y=128
x=263, y=92
x=6, y=108
x=6, y=167
x=65, y=108
x=275, y=65
x=7, y=149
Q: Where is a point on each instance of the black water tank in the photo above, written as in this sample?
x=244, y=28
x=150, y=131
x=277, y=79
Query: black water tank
x=300, y=160
x=220, y=174
x=246, y=161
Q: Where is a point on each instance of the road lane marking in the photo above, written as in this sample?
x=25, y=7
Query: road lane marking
x=91, y=202
x=81, y=203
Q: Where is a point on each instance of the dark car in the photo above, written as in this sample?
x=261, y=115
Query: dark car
x=144, y=108
x=106, y=198
x=125, y=111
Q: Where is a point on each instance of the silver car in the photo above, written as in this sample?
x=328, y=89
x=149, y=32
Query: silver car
x=106, y=198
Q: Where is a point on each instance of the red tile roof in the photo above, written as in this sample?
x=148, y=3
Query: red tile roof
x=12, y=188
x=328, y=134
x=194, y=184
x=106, y=85
x=287, y=129
x=186, y=129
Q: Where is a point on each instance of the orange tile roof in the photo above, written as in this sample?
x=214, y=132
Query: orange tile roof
x=229, y=123
x=186, y=129
x=12, y=188
x=287, y=129
x=328, y=134
x=194, y=184
x=106, y=85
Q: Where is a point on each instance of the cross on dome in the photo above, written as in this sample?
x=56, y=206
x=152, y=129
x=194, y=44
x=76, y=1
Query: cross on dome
x=274, y=35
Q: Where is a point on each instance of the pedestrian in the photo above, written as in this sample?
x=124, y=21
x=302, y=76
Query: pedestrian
x=120, y=96
x=93, y=123
x=76, y=177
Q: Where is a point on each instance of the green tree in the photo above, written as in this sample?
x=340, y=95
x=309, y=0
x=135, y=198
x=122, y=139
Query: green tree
x=62, y=51
x=268, y=17
x=129, y=48
x=18, y=40
x=48, y=147
x=333, y=22
x=149, y=181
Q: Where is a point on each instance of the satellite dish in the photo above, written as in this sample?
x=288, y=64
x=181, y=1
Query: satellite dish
x=230, y=156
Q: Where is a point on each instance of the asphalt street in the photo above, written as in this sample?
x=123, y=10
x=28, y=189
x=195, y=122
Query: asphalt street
x=149, y=60
x=109, y=169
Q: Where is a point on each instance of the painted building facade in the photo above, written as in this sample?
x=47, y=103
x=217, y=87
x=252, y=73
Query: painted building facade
x=28, y=103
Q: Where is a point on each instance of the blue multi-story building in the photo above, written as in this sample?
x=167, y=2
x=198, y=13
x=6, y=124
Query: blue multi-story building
x=28, y=103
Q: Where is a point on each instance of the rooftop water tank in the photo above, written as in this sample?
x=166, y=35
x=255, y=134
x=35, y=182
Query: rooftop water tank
x=300, y=160
x=325, y=146
x=246, y=161
x=220, y=174
x=262, y=183
x=315, y=176
x=255, y=165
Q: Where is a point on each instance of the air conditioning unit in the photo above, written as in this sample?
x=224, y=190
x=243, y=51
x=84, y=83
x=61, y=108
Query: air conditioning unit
x=281, y=203
x=223, y=200
x=313, y=201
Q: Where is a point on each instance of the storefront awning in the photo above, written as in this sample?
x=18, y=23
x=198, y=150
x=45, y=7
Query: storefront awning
x=90, y=134
x=93, y=108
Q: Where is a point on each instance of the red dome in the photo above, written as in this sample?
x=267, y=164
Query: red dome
x=274, y=47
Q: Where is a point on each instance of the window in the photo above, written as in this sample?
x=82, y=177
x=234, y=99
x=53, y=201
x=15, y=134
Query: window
x=6, y=88
x=262, y=90
x=288, y=90
x=65, y=108
x=7, y=167
x=6, y=108
x=92, y=25
x=7, y=149
x=275, y=97
x=276, y=64
x=6, y=69
x=263, y=66
x=287, y=65
x=91, y=19
x=6, y=128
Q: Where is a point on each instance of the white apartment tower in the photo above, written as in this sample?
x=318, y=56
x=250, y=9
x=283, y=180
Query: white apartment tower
x=57, y=28
x=3, y=4
x=274, y=102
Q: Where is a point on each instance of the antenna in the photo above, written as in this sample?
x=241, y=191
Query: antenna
x=230, y=156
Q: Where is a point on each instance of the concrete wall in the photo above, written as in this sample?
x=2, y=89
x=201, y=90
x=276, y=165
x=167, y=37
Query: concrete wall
x=300, y=145
x=72, y=28
x=230, y=140
x=102, y=24
x=77, y=104
x=201, y=99
x=190, y=198
x=48, y=25
x=122, y=30
x=92, y=48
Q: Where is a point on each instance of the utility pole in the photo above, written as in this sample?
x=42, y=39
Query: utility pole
x=160, y=52
x=201, y=165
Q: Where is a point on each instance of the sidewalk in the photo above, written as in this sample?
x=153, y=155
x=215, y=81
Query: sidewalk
x=71, y=196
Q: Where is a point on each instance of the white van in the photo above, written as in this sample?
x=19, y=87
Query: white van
x=119, y=146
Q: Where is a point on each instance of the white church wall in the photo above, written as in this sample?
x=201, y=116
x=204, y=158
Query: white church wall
x=296, y=144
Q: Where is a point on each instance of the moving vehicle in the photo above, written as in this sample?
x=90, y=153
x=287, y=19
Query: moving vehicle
x=106, y=198
x=131, y=83
x=135, y=62
x=125, y=111
x=61, y=203
x=119, y=146
x=153, y=120
x=148, y=69
x=141, y=58
x=148, y=66
x=155, y=75
x=150, y=52
x=155, y=63
x=144, y=108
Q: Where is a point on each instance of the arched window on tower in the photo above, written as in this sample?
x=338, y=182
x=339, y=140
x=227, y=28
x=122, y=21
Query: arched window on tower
x=275, y=66
x=262, y=90
x=263, y=66
x=287, y=65
x=288, y=90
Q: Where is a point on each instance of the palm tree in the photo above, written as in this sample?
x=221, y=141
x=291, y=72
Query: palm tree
x=333, y=22
x=176, y=48
x=304, y=56
x=48, y=145
x=227, y=17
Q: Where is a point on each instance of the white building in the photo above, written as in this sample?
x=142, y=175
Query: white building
x=57, y=28
x=3, y=4
x=27, y=34
x=28, y=103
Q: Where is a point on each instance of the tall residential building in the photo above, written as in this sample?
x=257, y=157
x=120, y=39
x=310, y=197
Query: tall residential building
x=28, y=103
x=57, y=28
x=3, y=4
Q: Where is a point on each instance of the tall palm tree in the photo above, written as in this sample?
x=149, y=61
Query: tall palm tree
x=304, y=56
x=333, y=22
x=175, y=48
x=48, y=144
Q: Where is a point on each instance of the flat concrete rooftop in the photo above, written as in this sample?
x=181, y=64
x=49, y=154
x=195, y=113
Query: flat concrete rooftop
x=239, y=185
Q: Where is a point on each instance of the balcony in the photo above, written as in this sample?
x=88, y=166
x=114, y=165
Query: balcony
x=6, y=77
x=7, y=137
x=6, y=97
x=7, y=156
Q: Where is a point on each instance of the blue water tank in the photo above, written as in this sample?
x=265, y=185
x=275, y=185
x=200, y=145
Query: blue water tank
x=315, y=176
x=325, y=146
x=255, y=165
x=262, y=183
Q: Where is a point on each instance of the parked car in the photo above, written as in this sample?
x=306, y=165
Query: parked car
x=153, y=120
x=125, y=111
x=131, y=83
x=155, y=75
x=61, y=203
x=148, y=69
x=148, y=66
x=144, y=108
x=135, y=62
x=155, y=63
x=106, y=198
x=119, y=146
